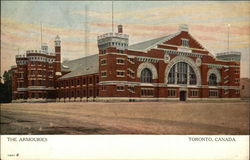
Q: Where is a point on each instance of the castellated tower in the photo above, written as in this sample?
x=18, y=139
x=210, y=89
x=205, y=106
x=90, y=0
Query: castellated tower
x=58, y=56
x=115, y=40
x=35, y=74
x=113, y=61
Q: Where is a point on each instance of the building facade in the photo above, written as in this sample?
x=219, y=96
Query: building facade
x=34, y=77
x=174, y=67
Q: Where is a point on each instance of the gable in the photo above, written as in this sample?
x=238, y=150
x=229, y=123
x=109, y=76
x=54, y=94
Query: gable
x=177, y=41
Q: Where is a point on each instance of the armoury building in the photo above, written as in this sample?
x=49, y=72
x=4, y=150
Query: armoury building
x=174, y=67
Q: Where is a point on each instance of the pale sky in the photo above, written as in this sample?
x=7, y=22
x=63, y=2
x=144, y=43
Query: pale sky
x=142, y=20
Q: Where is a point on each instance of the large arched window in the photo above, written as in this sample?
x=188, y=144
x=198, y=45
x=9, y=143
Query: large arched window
x=182, y=73
x=146, y=75
x=212, y=80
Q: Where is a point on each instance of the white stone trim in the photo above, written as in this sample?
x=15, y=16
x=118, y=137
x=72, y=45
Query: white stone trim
x=58, y=74
x=22, y=89
x=198, y=62
x=165, y=85
x=148, y=65
x=213, y=99
x=210, y=65
x=166, y=58
x=137, y=57
x=216, y=72
x=37, y=100
x=136, y=99
x=181, y=53
x=188, y=61
x=147, y=59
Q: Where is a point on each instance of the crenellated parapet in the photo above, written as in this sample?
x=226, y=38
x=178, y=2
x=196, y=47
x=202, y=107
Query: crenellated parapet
x=39, y=52
x=118, y=40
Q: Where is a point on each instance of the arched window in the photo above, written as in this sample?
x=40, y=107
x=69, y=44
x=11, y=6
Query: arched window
x=182, y=73
x=192, y=76
x=212, y=80
x=146, y=75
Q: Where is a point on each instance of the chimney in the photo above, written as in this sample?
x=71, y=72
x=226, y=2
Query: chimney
x=120, y=28
x=183, y=28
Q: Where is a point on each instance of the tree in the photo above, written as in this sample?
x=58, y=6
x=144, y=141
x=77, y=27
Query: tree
x=6, y=87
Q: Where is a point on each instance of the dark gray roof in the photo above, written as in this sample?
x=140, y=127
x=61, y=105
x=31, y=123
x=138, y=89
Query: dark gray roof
x=142, y=46
x=81, y=66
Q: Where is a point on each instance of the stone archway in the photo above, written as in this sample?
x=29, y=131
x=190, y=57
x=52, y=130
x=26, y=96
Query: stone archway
x=189, y=61
x=216, y=72
x=148, y=65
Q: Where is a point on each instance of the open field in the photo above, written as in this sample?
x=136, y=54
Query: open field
x=205, y=118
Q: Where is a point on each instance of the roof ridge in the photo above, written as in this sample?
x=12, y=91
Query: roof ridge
x=82, y=57
x=152, y=42
x=149, y=40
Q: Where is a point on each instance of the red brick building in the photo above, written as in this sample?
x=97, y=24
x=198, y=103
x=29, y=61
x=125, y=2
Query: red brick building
x=34, y=77
x=173, y=67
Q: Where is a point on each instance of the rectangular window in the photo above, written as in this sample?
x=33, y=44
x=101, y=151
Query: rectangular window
x=237, y=80
x=148, y=92
x=84, y=93
x=120, y=88
x=120, y=61
x=237, y=71
x=51, y=83
x=32, y=95
x=90, y=80
x=194, y=93
x=103, y=52
x=185, y=42
x=103, y=61
x=33, y=82
x=83, y=81
x=120, y=73
x=237, y=91
x=39, y=82
x=104, y=73
x=120, y=51
x=103, y=88
x=226, y=91
x=213, y=93
x=97, y=92
x=77, y=93
x=172, y=92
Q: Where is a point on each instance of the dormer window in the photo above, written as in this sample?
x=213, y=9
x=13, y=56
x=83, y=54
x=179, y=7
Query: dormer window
x=185, y=42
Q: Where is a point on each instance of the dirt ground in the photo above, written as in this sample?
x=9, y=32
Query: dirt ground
x=178, y=118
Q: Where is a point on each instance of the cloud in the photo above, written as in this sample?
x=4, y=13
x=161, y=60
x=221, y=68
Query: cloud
x=207, y=22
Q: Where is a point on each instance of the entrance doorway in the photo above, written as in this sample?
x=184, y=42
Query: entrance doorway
x=183, y=95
